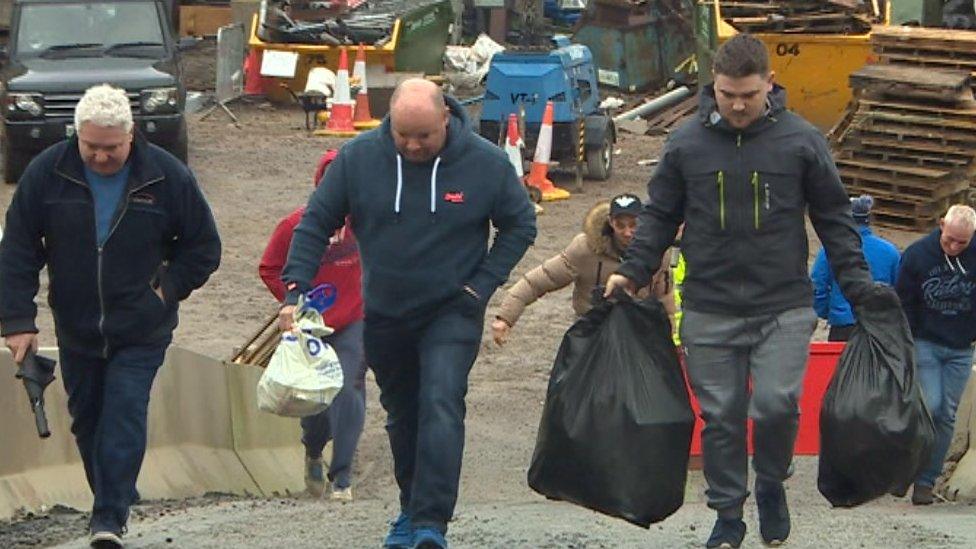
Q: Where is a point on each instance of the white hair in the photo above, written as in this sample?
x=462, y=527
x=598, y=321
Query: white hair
x=105, y=106
x=961, y=213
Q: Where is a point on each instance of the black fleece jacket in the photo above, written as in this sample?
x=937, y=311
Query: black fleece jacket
x=163, y=235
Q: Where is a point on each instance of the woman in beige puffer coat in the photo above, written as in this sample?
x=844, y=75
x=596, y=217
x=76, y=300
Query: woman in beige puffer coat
x=591, y=257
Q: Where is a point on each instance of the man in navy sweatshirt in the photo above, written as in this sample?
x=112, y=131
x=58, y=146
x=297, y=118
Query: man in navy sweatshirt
x=126, y=235
x=937, y=287
x=422, y=192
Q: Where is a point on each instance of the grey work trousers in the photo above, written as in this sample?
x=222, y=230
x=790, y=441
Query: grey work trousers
x=723, y=354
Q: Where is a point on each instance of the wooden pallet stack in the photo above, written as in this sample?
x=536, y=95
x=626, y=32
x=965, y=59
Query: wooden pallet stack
x=801, y=16
x=924, y=47
x=909, y=140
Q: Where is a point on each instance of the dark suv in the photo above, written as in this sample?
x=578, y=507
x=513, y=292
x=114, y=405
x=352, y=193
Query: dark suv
x=60, y=48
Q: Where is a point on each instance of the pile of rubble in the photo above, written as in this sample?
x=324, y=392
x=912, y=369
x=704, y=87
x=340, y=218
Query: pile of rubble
x=332, y=22
x=802, y=16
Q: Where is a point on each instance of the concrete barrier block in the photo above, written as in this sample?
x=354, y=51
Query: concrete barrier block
x=191, y=439
x=191, y=442
x=269, y=446
x=35, y=471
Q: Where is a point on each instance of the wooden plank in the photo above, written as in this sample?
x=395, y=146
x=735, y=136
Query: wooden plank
x=203, y=20
x=908, y=190
x=937, y=59
x=854, y=151
x=914, y=34
x=912, y=82
x=966, y=109
x=894, y=116
x=918, y=146
x=936, y=135
x=666, y=120
x=896, y=169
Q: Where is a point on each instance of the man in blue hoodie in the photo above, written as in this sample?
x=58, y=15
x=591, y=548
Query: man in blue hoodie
x=422, y=192
x=882, y=257
x=937, y=287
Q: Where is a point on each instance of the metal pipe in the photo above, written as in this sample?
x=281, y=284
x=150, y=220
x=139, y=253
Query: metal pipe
x=669, y=99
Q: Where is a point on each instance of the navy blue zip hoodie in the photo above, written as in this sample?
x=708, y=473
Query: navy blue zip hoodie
x=102, y=298
x=938, y=292
x=423, y=229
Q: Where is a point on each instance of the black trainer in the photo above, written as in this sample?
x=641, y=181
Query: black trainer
x=774, y=515
x=727, y=534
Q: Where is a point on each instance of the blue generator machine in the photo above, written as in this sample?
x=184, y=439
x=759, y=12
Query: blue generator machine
x=521, y=82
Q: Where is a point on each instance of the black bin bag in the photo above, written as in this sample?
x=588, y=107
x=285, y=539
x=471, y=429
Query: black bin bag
x=875, y=431
x=616, y=429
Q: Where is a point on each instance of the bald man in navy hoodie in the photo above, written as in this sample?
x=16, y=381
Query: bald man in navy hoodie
x=423, y=192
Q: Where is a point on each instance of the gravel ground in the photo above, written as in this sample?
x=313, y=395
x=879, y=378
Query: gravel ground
x=255, y=175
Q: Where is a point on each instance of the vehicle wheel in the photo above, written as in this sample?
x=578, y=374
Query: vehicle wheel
x=14, y=163
x=599, y=161
x=181, y=149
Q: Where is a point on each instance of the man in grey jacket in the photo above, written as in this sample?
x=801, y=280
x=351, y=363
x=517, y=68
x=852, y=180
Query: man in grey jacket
x=741, y=178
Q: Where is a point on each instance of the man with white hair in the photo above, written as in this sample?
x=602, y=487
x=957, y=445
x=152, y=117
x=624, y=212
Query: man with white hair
x=937, y=287
x=126, y=235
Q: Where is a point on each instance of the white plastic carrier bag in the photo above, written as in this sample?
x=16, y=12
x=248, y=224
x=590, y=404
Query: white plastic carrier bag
x=304, y=373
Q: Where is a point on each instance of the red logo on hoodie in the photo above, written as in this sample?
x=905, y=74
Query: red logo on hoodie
x=454, y=197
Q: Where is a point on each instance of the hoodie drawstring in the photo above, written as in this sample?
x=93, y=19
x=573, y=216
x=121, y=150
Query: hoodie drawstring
x=958, y=263
x=433, y=185
x=396, y=205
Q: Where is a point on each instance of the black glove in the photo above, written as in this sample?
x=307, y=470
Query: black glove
x=874, y=297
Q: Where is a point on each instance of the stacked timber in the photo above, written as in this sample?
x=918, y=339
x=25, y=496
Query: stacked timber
x=670, y=118
x=934, y=48
x=801, y=16
x=259, y=347
x=909, y=140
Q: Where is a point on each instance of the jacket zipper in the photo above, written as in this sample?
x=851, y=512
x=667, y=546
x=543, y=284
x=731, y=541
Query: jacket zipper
x=766, y=196
x=755, y=199
x=739, y=170
x=720, y=179
x=100, y=248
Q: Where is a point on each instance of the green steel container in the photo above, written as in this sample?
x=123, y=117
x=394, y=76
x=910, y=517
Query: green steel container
x=638, y=56
x=424, y=33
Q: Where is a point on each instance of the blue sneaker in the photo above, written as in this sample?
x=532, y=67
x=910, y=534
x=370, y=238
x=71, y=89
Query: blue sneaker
x=401, y=533
x=428, y=538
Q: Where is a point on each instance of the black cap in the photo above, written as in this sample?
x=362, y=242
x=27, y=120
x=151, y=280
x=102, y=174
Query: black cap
x=627, y=203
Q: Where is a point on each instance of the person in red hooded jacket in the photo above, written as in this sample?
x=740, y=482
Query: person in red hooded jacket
x=342, y=422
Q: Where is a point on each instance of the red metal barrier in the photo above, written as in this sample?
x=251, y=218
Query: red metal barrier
x=820, y=368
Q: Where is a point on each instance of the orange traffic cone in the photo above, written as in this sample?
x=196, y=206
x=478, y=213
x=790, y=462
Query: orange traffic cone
x=254, y=83
x=538, y=175
x=513, y=148
x=363, y=119
x=340, y=117
x=514, y=145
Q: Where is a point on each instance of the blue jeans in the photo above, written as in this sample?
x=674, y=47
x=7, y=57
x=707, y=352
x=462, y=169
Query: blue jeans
x=942, y=374
x=421, y=366
x=108, y=400
x=342, y=422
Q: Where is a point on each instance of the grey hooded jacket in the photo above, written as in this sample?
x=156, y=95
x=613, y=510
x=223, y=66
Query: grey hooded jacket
x=742, y=195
